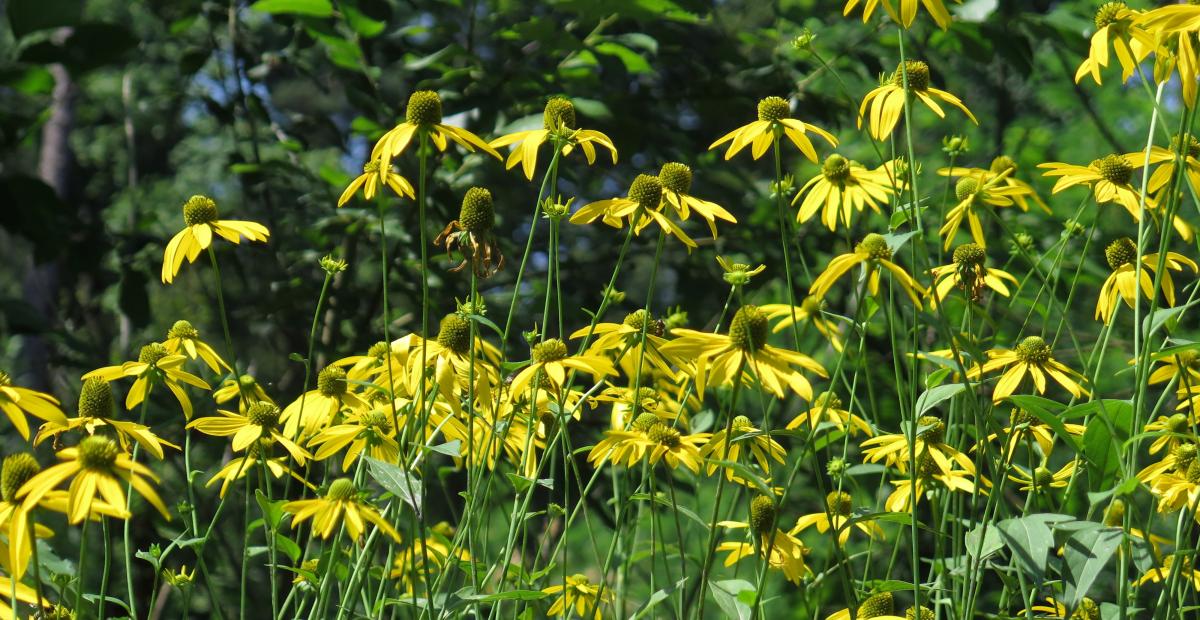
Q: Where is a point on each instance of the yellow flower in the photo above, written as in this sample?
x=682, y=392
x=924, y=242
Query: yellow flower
x=239, y=467
x=908, y=11
x=155, y=366
x=968, y=274
x=668, y=444
x=931, y=449
x=623, y=343
x=1043, y=479
x=810, y=310
x=320, y=405
x=1033, y=357
x=887, y=100
x=376, y=363
x=17, y=401
x=828, y=408
x=840, y=509
x=625, y=446
x=96, y=465
x=1087, y=609
x=373, y=175
x=676, y=179
x=1187, y=572
x=1163, y=177
x=1021, y=191
x=200, y=223
x=184, y=339
x=877, y=606
x=928, y=473
x=341, y=504
x=558, y=128
x=551, y=360
x=842, y=187
x=743, y=434
x=96, y=411
x=261, y=422
x=1172, y=430
x=16, y=470
x=1108, y=177
x=244, y=388
x=973, y=192
x=1183, y=365
x=410, y=566
x=25, y=594
x=1122, y=282
x=786, y=551
x=578, y=594
x=638, y=209
x=1116, y=25
x=370, y=432
x=743, y=355
x=423, y=115
x=772, y=123
x=654, y=398
x=1023, y=426
x=872, y=253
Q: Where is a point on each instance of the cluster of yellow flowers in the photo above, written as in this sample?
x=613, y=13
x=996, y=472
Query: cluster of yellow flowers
x=457, y=394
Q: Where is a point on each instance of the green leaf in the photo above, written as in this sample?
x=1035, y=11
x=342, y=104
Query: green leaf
x=272, y=510
x=288, y=547
x=990, y=544
x=311, y=8
x=633, y=61
x=1101, y=441
x=1085, y=555
x=1169, y=316
x=657, y=598
x=398, y=482
x=727, y=595
x=469, y=594
x=746, y=473
x=932, y=397
x=1030, y=540
x=26, y=16
x=451, y=448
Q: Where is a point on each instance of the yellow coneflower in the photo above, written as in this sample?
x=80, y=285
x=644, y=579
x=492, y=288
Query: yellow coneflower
x=1122, y=283
x=423, y=115
x=550, y=359
x=887, y=100
x=184, y=339
x=579, y=595
x=96, y=465
x=154, y=366
x=559, y=128
x=973, y=192
x=625, y=447
x=827, y=407
x=660, y=397
x=238, y=467
x=1116, y=26
x=969, y=274
x=743, y=355
x=411, y=567
x=640, y=207
x=842, y=188
x=471, y=235
x=787, y=553
x=17, y=401
x=1021, y=192
x=16, y=470
x=908, y=12
x=244, y=388
x=772, y=123
x=1087, y=609
x=260, y=422
x=1109, y=177
x=320, y=405
x=810, y=310
x=1158, y=574
x=742, y=437
x=1033, y=357
x=928, y=473
x=840, y=507
x=930, y=447
x=200, y=223
x=1023, y=426
x=369, y=433
x=96, y=409
x=372, y=177
x=872, y=253
x=340, y=505
x=1042, y=479
x=676, y=179
x=623, y=343
x=879, y=606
